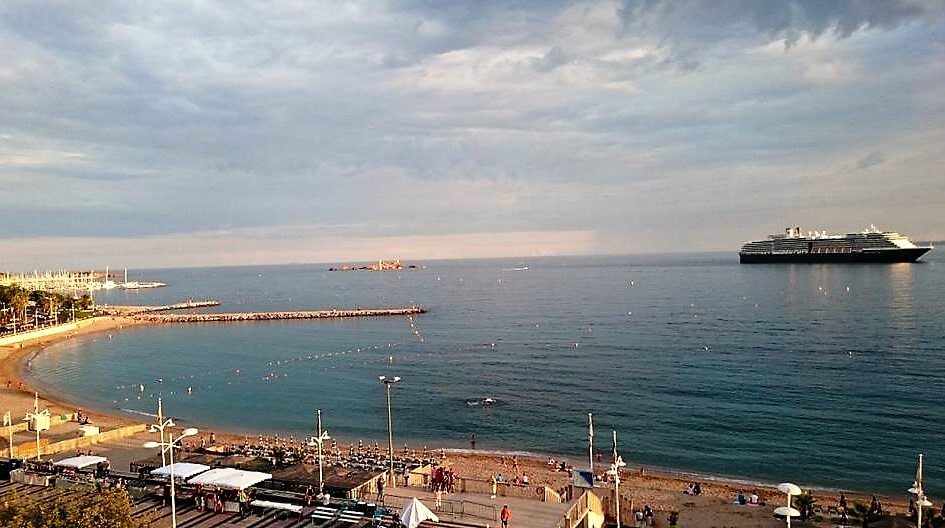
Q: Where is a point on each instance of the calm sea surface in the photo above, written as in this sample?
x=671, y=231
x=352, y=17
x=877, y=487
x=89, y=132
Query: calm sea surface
x=827, y=375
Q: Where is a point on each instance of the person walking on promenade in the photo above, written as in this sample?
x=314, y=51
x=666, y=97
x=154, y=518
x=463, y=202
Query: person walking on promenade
x=505, y=515
x=380, y=491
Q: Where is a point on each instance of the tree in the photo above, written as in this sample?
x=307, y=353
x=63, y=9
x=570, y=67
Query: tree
x=108, y=509
x=864, y=513
x=19, y=300
x=805, y=503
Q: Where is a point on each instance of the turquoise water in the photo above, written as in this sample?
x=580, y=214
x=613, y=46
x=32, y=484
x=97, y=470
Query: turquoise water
x=827, y=375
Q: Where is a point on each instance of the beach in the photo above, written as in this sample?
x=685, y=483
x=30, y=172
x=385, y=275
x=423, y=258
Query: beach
x=661, y=490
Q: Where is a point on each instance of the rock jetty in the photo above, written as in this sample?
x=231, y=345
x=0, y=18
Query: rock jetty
x=275, y=316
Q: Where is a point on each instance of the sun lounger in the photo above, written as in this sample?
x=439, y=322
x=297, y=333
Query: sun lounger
x=324, y=513
x=294, y=508
x=350, y=516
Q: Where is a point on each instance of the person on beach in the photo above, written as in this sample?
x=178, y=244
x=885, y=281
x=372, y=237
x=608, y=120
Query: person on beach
x=472, y=441
x=505, y=516
x=309, y=493
x=166, y=496
x=843, y=501
x=495, y=486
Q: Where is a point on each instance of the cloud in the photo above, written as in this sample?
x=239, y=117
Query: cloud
x=424, y=119
x=787, y=20
x=872, y=159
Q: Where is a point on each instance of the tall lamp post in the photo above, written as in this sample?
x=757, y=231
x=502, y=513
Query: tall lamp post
x=159, y=426
x=590, y=444
x=170, y=445
x=920, y=498
x=615, y=471
x=8, y=422
x=317, y=440
x=39, y=420
x=388, y=382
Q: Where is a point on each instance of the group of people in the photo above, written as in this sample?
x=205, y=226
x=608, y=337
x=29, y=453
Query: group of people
x=442, y=479
x=694, y=489
x=558, y=465
x=743, y=499
x=323, y=498
x=643, y=517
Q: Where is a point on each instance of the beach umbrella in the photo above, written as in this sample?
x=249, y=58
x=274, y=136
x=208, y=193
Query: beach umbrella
x=787, y=511
x=415, y=512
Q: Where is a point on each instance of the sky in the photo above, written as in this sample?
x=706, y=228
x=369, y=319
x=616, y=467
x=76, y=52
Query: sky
x=159, y=134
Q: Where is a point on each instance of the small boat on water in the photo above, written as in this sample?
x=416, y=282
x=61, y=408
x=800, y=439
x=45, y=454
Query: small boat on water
x=485, y=402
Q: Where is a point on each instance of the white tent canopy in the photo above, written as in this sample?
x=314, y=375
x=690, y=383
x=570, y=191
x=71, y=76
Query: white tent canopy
x=80, y=462
x=229, y=478
x=183, y=470
x=415, y=512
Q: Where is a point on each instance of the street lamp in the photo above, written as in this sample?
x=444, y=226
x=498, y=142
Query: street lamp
x=787, y=511
x=590, y=444
x=317, y=440
x=388, y=382
x=169, y=446
x=39, y=420
x=916, y=489
x=159, y=426
x=615, y=471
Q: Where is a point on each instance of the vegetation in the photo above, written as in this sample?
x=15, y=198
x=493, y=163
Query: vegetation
x=26, y=307
x=805, y=504
x=864, y=513
x=108, y=509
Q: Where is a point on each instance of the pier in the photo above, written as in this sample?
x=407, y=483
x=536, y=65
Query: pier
x=275, y=316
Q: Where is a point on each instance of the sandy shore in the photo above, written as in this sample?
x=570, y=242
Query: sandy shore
x=16, y=390
x=662, y=491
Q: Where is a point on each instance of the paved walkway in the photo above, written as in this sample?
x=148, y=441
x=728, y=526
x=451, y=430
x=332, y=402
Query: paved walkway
x=480, y=510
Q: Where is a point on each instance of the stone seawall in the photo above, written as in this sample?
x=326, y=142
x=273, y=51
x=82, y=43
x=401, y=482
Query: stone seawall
x=276, y=316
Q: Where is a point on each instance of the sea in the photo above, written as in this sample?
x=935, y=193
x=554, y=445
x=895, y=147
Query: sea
x=825, y=375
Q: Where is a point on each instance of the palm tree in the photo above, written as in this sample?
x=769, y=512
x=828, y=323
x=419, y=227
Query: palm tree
x=19, y=300
x=863, y=513
x=805, y=503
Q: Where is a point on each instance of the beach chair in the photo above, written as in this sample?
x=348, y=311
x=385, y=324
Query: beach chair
x=323, y=514
x=350, y=516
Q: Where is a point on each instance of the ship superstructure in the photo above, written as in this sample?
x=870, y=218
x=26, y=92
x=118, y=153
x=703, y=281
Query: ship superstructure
x=869, y=245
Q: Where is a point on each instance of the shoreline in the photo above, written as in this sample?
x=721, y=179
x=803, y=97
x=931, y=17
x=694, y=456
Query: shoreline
x=660, y=487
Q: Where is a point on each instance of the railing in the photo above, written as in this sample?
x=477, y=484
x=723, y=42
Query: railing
x=452, y=507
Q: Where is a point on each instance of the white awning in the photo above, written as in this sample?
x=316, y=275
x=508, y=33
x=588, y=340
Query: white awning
x=183, y=470
x=80, y=462
x=415, y=512
x=229, y=478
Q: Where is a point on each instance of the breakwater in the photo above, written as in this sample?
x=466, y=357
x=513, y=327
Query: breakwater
x=135, y=310
x=275, y=316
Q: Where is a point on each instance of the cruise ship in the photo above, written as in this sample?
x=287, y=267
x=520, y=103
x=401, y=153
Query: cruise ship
x=870, y=245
